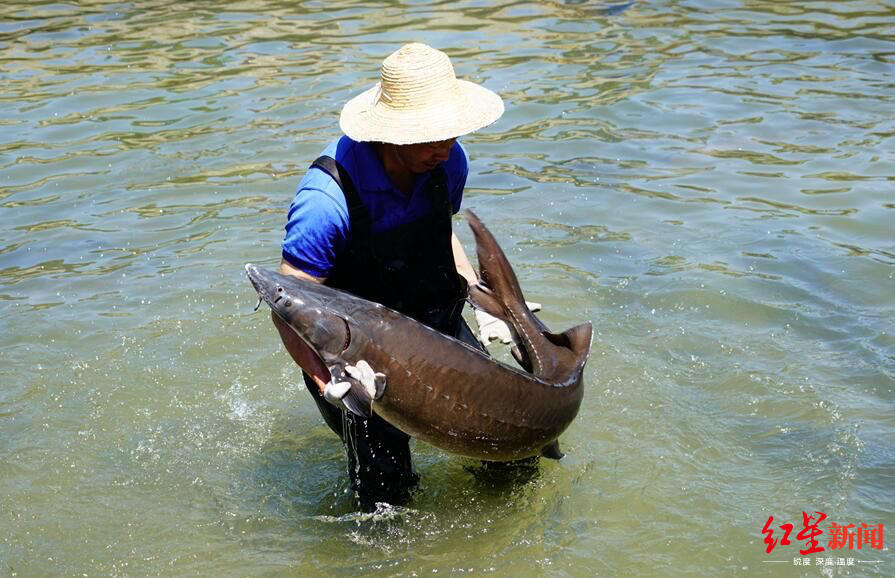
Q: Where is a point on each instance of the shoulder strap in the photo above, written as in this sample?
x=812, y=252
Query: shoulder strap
x=358, y=216
x=439, y=194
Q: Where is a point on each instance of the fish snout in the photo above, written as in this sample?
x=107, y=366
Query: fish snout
x=253, y=274
x=267, y=286
x=289, y=296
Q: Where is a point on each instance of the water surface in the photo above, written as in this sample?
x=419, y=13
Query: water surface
x=710, y=182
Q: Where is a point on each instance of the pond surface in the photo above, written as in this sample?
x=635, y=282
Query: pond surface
x=711, y=183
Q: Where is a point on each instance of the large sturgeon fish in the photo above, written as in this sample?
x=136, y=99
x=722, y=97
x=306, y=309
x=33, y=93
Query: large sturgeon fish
x=439, y=389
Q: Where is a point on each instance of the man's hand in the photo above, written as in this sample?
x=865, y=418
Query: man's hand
x=373, y=381
x=491, y=328
x=355, y=389
x=335, y=391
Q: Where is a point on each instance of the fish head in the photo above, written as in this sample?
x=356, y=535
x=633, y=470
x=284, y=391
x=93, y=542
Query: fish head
x=310, y=309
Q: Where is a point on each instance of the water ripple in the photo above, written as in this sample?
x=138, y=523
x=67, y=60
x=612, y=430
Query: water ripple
x=709, y=183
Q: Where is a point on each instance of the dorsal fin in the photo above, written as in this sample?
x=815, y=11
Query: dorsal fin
x=482, y=298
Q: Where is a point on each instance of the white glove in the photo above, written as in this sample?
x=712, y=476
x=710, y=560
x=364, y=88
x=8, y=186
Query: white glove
x=491, y=328
x=339, y=385
x=334, y=391
x=373, y=381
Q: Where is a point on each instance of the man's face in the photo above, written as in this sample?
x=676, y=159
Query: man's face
x=423, y=157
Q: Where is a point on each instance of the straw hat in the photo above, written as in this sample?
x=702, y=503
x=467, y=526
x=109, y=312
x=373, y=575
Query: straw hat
x=419, y=99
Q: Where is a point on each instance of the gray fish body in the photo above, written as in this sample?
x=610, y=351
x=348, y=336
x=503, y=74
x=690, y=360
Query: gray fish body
x=439, y=389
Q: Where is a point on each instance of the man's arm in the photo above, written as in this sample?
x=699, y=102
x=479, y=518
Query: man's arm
x=464, y=267
x=300, y=352
x=287, y=268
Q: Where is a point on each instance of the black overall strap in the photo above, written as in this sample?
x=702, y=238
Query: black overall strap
x=329, y=165
x=358, y=216
x=441, y=198
x=409, y=268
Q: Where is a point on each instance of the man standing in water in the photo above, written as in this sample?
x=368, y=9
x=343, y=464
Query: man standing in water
x=373, y=216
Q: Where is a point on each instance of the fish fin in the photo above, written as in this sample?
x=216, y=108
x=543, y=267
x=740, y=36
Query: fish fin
x=552, y=451
x=502, y=297
x=481, y=297
x=495, y=271
x=577, y=339
x=358, y=400
x=373, y=381
x=521, y=357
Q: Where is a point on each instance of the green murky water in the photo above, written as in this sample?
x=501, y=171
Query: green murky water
x=710, y=182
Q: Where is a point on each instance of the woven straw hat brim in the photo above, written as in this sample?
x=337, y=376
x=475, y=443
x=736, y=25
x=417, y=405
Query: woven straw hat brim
x=366, y=118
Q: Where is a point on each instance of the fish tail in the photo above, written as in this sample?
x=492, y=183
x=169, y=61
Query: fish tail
x=501, y=289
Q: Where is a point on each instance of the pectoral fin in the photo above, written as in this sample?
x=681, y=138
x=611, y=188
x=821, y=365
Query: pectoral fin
x=552, y=451
x=358, y=400
x=366, y=385
x=373, y=381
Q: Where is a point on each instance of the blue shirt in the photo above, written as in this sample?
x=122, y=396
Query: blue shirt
x=318, y=228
